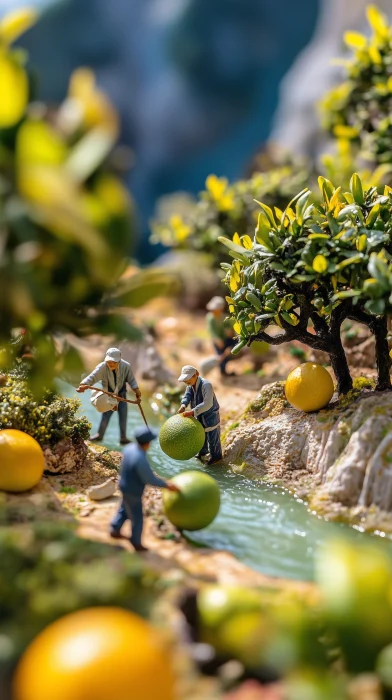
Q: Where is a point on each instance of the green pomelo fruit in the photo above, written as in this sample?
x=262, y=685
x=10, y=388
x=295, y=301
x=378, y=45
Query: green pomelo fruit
x=181, y=438
x=226, y=612
x=198, y=503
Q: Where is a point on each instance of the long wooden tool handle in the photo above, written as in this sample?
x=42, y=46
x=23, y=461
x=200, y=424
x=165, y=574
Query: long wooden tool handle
x=119, y=398
x=109, y=393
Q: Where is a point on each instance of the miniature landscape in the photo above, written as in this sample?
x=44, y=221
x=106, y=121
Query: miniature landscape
x=255, y=357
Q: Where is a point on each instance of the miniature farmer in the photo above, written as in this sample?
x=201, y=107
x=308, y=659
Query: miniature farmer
x=115, y=374
x=135, y=474
x=221, y=332
x=204, y=406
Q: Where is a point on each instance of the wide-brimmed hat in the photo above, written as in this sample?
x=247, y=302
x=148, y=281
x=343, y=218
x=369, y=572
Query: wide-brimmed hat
x=143, y=435
x=113, y=355
x=216, y=303
x=187, y=372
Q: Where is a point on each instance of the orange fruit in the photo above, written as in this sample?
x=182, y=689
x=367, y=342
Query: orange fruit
x=309, y=387
x=95, y=654
x=22, y=461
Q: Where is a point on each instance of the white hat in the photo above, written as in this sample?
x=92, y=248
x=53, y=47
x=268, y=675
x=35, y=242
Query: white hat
x=113, y=355
x=216, y=303
x=187, y=372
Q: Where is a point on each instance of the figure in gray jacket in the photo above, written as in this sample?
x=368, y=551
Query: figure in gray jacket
x=114, y=374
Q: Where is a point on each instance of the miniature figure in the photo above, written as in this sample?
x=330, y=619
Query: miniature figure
x=115, y=374
x=221, y=332
x=135, y=474
x=205, y=408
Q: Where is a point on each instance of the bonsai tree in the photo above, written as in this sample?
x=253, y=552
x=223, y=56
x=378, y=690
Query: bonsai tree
x=312, y=266
x=358, y=112
x=224, y=209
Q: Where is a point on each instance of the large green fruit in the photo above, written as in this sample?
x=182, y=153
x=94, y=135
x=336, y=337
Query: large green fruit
x=231, y=620
x=198, y=503
x=181, y=438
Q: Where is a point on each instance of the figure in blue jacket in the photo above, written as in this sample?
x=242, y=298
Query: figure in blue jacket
x=204, y=406
x=135, y=474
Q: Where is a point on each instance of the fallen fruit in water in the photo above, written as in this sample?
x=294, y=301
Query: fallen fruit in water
x=181, y=438
x=309, y=387
x=95, y=654
x=22, y=461
x=198, y=503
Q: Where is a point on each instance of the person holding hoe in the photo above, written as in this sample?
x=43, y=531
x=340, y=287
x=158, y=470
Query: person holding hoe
x=114, y=374
x=205, y=408
x=135, y=474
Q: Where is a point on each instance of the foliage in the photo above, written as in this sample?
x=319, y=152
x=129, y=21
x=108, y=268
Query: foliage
x=225, y=209
x=66, y=223
x=48, y=420
x=320, y=264
x=48, y=572
x=358, y=111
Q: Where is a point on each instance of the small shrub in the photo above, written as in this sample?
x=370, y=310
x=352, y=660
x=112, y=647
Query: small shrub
x=48, y=420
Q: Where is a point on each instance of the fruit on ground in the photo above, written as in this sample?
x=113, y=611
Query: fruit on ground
x=22, y=461
x=309, y=387
x=95, y=654
x=181, y=438
x=231, y=620
x=198, y=503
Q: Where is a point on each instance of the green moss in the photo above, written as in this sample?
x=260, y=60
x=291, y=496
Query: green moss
x=359, y=384
x=233, y=426
x=269, y=392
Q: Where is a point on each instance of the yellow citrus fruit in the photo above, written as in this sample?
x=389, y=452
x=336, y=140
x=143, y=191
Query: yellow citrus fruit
x=22, y=461
x=95, y=654
x=309, y=387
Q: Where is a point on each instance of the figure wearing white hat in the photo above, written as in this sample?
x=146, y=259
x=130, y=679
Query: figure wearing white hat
x=221, y=332
x=205, y=408
x=114, y=374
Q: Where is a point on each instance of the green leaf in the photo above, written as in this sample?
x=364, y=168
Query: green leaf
x=269, y=213
x=375, y=306
x=237, y=348
x=233, y=246
x=356, y=189
x=262, y=231
x=349, y=261
x=89, y=153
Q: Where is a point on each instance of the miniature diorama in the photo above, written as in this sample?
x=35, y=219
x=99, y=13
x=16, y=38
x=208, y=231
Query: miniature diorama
x=227, y=535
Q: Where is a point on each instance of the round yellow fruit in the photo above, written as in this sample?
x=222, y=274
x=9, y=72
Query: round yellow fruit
x=309, y=387
x=22, y=461
x=95, y=654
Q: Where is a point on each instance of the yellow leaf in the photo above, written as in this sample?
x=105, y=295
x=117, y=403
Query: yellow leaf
x=236, y=239
x=180, y=229
x=231, y=308
x=334, y=282
x=233, y=284
x=16, y=23
x=345, y=131
x=334, y=199
x=237, y=328
x=278, y=321
x=115, y=197
x=38, y=143
x=247, y=242
x=14, y=92
x=377, y=21
x=375, y=55
x=216, y=186
x=95, y=107
x=355, y=40
x=229, y=300
x=320, y=264
x=361, y=242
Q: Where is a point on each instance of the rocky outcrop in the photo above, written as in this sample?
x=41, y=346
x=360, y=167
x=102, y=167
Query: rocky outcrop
x=343, y=455
x=65, y=457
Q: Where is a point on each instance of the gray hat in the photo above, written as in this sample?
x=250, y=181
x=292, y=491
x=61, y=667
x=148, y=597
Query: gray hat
x=113, y=355
x=187, y=372
x=216, y=303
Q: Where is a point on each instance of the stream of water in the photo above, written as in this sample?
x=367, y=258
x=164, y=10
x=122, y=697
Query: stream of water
x=263, y=526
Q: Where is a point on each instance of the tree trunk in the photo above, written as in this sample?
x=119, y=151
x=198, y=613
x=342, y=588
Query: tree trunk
x=340, y=367
x=380, y=330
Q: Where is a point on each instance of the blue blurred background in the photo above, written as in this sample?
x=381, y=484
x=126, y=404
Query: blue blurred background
x=196, y=82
